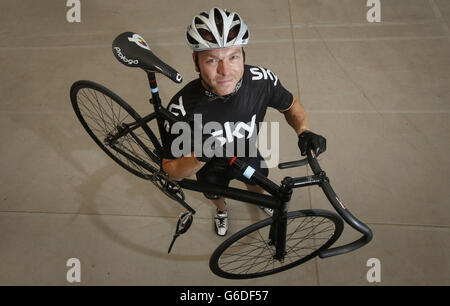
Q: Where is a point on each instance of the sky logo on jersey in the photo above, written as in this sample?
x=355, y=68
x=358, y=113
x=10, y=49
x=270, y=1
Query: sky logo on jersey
x=260, y=73
x=236, y=132
x=176, y=109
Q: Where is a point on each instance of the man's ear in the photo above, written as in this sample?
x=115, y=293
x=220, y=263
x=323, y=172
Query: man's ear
x=195, y=59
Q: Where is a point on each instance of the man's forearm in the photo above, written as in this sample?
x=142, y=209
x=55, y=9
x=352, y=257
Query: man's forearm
x=182, y=167
x=296, y=116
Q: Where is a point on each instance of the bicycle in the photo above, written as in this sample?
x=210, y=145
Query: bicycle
x=275, y=244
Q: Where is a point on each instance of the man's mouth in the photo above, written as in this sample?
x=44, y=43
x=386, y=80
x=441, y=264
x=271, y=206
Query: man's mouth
x=224, y=81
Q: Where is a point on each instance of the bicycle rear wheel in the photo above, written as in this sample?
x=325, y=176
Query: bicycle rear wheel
x=103, y=114
x=249, y=253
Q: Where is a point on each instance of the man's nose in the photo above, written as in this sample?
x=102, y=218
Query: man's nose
x=222, y=68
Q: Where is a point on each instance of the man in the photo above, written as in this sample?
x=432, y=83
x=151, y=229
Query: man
x=227, y=91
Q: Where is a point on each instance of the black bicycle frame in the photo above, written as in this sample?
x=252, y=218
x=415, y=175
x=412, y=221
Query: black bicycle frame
x=280, y=196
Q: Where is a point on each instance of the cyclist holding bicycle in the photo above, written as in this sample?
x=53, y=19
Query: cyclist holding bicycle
x=228, y=91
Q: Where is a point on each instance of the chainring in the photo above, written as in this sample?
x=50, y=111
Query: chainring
x=168, y=186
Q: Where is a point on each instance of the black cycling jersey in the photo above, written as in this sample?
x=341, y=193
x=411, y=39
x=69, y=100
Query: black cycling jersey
x=237, y=115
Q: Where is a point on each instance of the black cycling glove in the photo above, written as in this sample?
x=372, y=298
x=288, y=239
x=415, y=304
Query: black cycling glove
x=318, y=143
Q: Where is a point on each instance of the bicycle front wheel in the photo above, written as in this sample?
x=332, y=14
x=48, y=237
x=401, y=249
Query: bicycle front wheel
x=104, y=114
x=250, y=252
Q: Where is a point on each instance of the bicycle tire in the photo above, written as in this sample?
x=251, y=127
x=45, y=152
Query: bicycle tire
x=246, y=254
x=92, y=101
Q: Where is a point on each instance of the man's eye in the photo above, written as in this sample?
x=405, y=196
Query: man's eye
x=211, y=60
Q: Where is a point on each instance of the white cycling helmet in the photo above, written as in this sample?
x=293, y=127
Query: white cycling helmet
x=218, y=29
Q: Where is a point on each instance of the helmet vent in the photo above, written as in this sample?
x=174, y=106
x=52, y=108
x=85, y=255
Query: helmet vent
x=191, y=40
x=233, y=32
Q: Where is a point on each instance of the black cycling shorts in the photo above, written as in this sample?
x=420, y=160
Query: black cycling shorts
x=217, y=171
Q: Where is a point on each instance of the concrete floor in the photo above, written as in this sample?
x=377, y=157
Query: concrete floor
x=379, y=93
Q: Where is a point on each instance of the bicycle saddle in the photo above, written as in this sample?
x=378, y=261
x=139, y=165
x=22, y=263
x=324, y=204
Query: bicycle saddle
x=133, y=51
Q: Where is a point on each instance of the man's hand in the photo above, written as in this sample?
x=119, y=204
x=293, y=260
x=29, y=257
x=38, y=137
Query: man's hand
x=318, y=143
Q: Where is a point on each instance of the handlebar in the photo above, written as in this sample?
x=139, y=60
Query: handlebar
x=292, y=164
x=340, y=208
x=322, y=180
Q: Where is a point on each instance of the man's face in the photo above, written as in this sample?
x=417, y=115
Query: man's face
x=221, y=69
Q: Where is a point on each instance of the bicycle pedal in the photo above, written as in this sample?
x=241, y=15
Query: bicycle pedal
x=183, y=224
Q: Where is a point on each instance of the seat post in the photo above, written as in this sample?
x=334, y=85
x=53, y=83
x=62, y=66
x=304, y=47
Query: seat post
x=155, y=100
